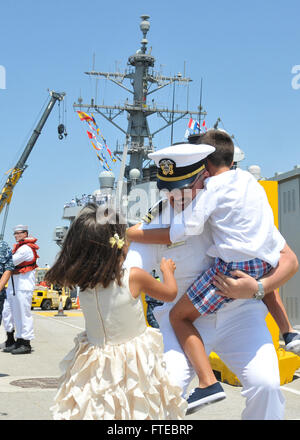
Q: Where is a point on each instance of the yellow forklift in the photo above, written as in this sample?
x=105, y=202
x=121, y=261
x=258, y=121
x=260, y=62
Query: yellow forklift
x=47, y=297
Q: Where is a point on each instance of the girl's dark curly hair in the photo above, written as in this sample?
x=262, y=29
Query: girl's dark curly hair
x=87, y=258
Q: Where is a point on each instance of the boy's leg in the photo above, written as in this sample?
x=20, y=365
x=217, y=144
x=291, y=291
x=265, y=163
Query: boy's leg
x=178, y=366
x=277, y=310
x=182, y=316
x=210, y=390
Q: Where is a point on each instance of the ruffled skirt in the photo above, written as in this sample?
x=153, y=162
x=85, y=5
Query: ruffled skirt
x=117, y=382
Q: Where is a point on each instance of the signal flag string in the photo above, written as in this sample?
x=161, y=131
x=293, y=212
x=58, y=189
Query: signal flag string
x=92, y=135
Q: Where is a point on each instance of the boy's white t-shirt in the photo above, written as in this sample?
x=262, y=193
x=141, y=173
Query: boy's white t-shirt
x=241, y=219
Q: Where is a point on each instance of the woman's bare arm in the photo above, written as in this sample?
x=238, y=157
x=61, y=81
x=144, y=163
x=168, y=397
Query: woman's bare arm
x=142, y=281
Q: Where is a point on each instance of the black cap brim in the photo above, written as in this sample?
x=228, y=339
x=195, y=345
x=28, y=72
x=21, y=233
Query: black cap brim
x=177, y=184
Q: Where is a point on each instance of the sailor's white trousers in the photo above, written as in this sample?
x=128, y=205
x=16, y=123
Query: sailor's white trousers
x=17, y=314
x=239, y=335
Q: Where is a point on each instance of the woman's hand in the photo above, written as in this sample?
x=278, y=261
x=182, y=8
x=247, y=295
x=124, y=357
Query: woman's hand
x=242, y=288
x=167, y=265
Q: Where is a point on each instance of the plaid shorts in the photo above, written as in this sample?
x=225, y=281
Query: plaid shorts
x=202, y=292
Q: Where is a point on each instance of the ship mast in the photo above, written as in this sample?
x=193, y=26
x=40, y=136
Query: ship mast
x=140, y=172
x=138, y=131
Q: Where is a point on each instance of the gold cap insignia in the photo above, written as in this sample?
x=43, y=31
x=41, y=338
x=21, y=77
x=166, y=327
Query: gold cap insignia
x=167, y=167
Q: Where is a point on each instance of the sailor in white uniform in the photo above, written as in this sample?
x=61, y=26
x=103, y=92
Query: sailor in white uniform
x=237, y=332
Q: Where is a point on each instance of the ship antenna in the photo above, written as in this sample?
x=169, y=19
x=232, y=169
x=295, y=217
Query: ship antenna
x=173, y=103
x=200, y=106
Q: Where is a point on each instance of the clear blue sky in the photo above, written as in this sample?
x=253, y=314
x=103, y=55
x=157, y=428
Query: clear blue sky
x=244, y=51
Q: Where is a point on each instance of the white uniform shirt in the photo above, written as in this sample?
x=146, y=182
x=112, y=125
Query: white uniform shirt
x=241, y=219
x=189, y=255
x=23, y=281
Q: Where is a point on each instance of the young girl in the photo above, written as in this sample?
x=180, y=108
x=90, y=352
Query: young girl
x=116, y=369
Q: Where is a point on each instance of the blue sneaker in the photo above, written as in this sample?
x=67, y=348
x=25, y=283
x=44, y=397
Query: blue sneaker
x=204, y=396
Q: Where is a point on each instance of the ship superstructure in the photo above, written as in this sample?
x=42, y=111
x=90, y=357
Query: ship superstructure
x=136, y=171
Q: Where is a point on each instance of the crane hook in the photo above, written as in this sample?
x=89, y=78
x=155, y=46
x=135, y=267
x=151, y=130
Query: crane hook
x=61, y=131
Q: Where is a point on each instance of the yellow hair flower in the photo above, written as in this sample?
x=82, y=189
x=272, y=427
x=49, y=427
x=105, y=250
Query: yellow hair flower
x=116, y=240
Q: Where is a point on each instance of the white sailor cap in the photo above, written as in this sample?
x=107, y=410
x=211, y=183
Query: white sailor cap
x=178, y=165
x=20, y=228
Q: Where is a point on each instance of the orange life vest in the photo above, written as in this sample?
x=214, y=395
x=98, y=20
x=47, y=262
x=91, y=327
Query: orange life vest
x=26, y=266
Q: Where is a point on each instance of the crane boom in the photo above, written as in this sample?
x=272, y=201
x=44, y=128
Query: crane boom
x=16, y=172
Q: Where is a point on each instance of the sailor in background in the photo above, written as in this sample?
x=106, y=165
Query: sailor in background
x=6, y=268
x=17, y=307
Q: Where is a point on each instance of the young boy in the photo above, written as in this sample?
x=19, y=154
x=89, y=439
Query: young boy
x=245, y=238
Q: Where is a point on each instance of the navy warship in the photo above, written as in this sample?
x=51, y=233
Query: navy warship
x=137, y=175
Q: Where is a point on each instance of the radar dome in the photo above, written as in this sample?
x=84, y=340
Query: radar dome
x=106, y=179
x=238, y=154
x=145, y=25
x=255, y=170
x=134, y=174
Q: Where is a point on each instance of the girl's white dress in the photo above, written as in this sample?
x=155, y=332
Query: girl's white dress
x=116, y=370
